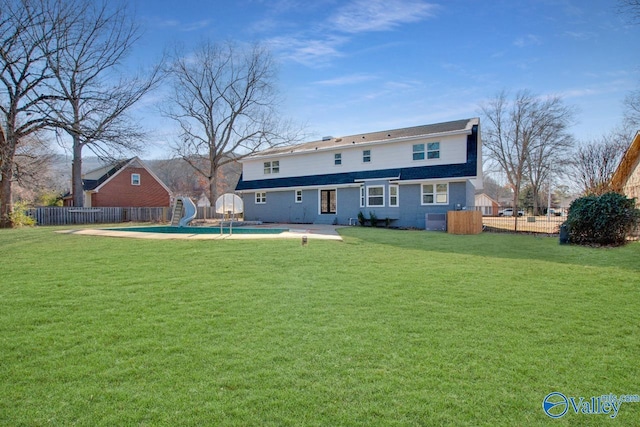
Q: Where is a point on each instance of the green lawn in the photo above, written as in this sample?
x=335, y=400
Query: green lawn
x=386, y=328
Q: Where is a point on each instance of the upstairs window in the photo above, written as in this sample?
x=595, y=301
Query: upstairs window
x=418, y=151
x=272, y=167
x=337, y=159
x=135, y=179
x=433, y=150
x=366, y=156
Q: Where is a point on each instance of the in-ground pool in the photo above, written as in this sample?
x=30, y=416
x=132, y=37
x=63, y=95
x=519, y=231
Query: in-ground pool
x=202, y=230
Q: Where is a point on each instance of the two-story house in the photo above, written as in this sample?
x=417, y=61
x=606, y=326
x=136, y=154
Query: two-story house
x=400, y=175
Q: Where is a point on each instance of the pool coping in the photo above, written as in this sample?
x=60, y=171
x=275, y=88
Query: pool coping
x=296, y=231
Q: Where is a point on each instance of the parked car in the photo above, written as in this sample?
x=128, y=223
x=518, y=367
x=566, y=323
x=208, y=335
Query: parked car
x=509, y=212
x=555, y=212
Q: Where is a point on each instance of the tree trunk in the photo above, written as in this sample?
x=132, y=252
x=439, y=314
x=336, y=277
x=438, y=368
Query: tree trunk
x=213, y=184
x=213, y=190
x=6, y=205
x=76, y=175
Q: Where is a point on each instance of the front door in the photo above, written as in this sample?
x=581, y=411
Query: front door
x=327, y=201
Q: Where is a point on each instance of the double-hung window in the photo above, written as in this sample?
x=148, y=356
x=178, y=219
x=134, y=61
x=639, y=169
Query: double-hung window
x=298, y=196
x=366, y=156
x=135, y=179
x=261, y=198
x=337, y=159
x=433, y=150
x=435, y=194
x=375, y=195
x=393, y=196
x=272, y=167
x=418, y=151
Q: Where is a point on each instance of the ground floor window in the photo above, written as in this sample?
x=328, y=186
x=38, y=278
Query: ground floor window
x=435, y=193
x=298, y=196
x=261, y=198
x=393, y=196
x=375, y=195
x=328, y=201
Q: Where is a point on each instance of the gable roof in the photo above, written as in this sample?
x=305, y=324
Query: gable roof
x=97, y=178
x=433, y=130
x=625, y=168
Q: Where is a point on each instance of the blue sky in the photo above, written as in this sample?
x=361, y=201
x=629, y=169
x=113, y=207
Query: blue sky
x=355, y=66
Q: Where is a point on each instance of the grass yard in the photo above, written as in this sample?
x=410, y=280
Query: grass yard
x=386, y=328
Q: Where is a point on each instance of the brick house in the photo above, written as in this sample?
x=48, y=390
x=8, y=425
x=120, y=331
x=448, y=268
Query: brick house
x=626, y=178
x=127, y=183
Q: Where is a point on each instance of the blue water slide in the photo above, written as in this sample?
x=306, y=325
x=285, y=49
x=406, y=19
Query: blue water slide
x=184, y=211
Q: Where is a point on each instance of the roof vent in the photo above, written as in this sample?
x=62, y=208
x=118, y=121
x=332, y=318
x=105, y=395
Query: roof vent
x=327, y=138
x=338, y=139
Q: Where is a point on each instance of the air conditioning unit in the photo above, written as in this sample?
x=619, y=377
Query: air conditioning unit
x=436, y=221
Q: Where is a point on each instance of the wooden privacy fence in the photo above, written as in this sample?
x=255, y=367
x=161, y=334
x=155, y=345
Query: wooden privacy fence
x=71, y=215
x=464, y=222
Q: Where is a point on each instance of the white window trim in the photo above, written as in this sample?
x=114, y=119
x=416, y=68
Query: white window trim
x=435, y=193
x=397, y=187
x=363, y=156
x=362, y=196
x=268, y=167
x=335, y=159
x=424, y=152
x=368, y=196
x=427, y=151
x=295, y=194
x=261, y=197
x=133, y=181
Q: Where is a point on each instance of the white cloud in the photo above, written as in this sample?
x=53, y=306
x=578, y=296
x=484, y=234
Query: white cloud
x=318, y=44
x=579, y=35
x=528, y=40
x=182, y=26
x=347, y=80
x=379, y=15
x=310, y=52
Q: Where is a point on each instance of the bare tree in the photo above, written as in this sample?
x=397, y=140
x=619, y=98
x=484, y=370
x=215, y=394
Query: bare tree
x=630, y=9
x=33, y=171
x=552, y=146
x=90, y=98
x=632, y=109
x=595, y=162
x=27, y=31
x=224, y=101
x=522, y=136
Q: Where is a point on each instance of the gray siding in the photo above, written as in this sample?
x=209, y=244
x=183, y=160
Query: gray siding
x=281, y=206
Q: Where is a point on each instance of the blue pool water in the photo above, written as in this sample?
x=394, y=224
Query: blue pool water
x=201, y=230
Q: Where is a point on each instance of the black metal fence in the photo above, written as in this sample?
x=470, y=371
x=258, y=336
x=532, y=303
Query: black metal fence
x=548, y=225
